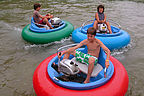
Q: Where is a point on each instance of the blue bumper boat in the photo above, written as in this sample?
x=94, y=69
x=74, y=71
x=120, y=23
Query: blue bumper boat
x=118, y=39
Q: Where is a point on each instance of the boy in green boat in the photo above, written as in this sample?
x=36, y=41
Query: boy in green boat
x=91, y=58
x=38, y=18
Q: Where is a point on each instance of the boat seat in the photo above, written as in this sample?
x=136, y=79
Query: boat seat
x=45, y=26
x=84, y=68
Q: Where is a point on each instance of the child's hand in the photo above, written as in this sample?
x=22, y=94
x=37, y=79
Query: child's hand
x=102, y=21
x=107, y=63
x=59, y=54
x=70, y=50
x=48, y=14
x=51, y=16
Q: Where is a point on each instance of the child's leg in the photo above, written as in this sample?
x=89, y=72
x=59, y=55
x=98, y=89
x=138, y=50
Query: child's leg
x=95, y=25
x=90, y=69
x=45, y=20
x=109, y=28
x=50, y=16
x=66, y=56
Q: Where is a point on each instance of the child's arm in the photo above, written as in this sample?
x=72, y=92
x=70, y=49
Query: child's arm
x=74, y=48
x=107, y=52
x=104, y=18
x=77, y=46
x=49, y=16
x=97, y=18
x=103, y=21
x=41, y=16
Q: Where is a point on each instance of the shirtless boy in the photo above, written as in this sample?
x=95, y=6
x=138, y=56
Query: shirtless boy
x=91, y=57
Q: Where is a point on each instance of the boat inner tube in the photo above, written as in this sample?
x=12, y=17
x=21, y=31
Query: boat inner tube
x=95, y=81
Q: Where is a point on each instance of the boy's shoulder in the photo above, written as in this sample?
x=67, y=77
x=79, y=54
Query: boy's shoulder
x=84, y=42
x=35, y=11
x=96, y=13
x=97, y=40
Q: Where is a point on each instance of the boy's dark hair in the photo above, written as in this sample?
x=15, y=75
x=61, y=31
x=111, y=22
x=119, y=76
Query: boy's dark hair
x=100, y=6
x=36, y=5
x=91, y=31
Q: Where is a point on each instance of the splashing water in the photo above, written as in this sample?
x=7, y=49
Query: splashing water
x=124, y=49
x=27, y=47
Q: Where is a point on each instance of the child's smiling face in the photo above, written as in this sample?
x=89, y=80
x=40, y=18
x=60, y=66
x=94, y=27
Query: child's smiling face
x=38, y=8
x=90, y=37
x=100, y=10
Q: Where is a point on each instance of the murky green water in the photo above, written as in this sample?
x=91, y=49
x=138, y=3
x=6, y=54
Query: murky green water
x=19, y=59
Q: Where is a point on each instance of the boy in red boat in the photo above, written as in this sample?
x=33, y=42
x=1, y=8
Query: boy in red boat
x=38, y=18
x=100, y=18
x=91, y=58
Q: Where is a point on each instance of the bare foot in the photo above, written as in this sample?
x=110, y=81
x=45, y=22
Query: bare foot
x=86, y=81
x=55, y=66
x=53, y=63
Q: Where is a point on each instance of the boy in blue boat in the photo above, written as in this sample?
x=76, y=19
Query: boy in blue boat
x=100, y=18
x=91, y=58
x=38, y=18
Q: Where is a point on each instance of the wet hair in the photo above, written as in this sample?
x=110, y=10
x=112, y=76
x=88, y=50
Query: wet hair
x=91, y=31
x=36, y=5
x=100, y=6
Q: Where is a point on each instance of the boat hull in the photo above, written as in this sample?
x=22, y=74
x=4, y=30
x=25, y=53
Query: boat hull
x=44, y=86
x=113, y=41
x=47, y=37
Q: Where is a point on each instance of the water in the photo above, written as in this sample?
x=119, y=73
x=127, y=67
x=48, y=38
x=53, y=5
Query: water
x=19, y=59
